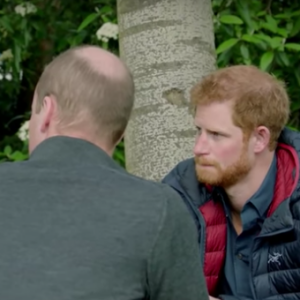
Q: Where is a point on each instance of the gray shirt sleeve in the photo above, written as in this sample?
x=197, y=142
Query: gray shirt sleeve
x=174, y=267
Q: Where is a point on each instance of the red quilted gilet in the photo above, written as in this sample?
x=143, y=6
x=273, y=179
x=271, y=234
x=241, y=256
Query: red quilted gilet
x=215, y=243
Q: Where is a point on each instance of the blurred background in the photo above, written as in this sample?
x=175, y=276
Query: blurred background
x=263, y=33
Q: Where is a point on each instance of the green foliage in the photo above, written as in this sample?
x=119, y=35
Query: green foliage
x=260, y=32
x=8, y=154
x=265, y=34
x=28, y=41
x=34, y=38
x=119, y=154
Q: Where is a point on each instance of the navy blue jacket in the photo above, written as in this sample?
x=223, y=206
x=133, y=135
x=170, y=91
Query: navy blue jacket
x=275, y=253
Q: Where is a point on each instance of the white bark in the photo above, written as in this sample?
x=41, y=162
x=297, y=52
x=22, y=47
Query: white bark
x=169, y=46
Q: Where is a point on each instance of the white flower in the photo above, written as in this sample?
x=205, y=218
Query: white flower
x=8, y=77
x=7, y=54
x=1, y=77
x=25, y=8
x=107, y=31
x=24, y=131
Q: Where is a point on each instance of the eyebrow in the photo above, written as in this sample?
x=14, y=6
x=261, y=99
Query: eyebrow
x=215, y=130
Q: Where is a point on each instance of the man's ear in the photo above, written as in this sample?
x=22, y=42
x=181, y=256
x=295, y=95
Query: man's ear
x=121, y=137
x=262, y=138
x=49, y=109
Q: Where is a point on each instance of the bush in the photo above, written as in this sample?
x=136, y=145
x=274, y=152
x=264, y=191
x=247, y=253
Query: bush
x=263, y=33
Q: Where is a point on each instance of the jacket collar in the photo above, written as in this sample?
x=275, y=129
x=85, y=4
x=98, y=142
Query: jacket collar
x=67, y=151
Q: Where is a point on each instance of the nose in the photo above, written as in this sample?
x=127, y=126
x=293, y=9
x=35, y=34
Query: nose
x=201, y=146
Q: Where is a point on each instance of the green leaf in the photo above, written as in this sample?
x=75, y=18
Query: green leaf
x=264, y=37
x=296, y=28
x=250, y=38
x=283, y=16
x=297, y=75
x=77, y=39
x=284, y=58
x=17, y=56
x=281, y=48
x=6, y=24
x=226, y=45
x=283, y=32
x=105, y=19
x=261, y=13
x=224, y=58
x=231, y=19
x=295, y=106
x=27, y=38
x=292, y=46
x=89, y=19
x=18, y=156
x=269, y=27
x=276, y=42
x=245, y=52
x=295, y=13
x=243, y=11
x=272, y=23
x=266, y=60
x=289, y=26
x=292, y=128
x=254, y=25
x=7, y=150
x=106, y=9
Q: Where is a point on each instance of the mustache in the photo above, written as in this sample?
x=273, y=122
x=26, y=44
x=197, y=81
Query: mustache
x=203, y=161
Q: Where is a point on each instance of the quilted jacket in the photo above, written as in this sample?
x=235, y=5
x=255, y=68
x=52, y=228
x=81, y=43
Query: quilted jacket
x=275, y=253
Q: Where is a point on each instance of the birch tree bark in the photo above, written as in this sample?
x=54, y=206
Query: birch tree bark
x=169, y=46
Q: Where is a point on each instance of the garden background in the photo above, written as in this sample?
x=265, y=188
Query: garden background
x=263, y=33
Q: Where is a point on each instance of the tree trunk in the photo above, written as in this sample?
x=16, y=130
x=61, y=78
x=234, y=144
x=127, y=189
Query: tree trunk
x=169, y=46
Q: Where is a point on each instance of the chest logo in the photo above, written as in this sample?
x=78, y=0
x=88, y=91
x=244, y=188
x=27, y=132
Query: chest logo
x=275, y=258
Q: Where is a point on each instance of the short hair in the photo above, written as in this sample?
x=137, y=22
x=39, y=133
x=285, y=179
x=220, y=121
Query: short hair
x=106, y=101
x=259, y=99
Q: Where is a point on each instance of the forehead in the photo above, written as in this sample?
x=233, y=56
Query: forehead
x=216, y=116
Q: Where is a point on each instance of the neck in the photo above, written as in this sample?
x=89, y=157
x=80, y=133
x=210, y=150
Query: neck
x=241, y=192
x=99, y=143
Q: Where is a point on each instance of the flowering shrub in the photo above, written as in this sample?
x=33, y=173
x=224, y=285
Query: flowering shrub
x=25, y=8
x=107, y=31
x=31, y=33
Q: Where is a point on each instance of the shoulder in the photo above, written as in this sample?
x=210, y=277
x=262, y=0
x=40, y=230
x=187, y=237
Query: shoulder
x=156, y=197
x=182, y=169
x=147, y=188
x=7, y=168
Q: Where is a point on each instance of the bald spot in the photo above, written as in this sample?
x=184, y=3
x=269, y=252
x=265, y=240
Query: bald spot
x=103, y=62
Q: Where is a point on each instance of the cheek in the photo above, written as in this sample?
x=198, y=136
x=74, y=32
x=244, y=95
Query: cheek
x=228, y=155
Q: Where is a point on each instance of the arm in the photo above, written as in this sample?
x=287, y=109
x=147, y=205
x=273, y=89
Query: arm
x=174, y=267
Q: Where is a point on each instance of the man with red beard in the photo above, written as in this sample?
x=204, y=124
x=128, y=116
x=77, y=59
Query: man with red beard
x=242, y=188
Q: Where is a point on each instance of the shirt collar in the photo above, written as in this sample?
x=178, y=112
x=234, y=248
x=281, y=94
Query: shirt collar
x=262, y=199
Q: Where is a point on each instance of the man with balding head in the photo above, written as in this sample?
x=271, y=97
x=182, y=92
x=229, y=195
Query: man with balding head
x=74, y=224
